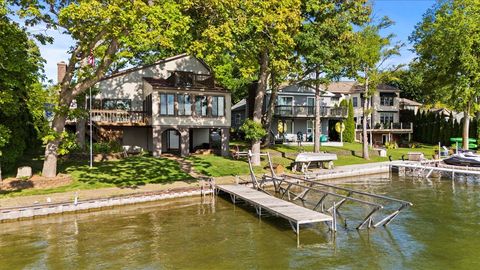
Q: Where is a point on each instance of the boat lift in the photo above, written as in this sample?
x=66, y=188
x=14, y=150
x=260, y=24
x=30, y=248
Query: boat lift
x=284, y=186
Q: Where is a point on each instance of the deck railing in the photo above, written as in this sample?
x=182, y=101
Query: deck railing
x=389, y=126
x=119, y=116
x=308, y=111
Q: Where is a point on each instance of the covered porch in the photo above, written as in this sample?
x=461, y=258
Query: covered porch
x=184, y=141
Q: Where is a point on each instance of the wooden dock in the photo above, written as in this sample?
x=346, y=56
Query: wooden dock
x=295, y=214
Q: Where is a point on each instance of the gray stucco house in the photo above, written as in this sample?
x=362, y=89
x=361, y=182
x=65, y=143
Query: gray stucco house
x=295, y=112
x=173, y=105
x=384, y=124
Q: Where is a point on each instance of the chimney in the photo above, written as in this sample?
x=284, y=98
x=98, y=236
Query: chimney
x=61, y=70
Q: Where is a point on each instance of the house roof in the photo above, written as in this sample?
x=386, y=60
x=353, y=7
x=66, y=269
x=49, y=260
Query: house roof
x=409, y=102
x=351, y=87
x=161, y=61
x=239, y=104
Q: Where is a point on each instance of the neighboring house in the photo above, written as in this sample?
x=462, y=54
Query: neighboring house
x=173, y=105
x=384, y=124
x=409, y=105
x=295, y=112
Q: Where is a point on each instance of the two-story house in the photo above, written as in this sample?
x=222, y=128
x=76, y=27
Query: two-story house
x=173, y=105
x=384, y=123
x=295, y=112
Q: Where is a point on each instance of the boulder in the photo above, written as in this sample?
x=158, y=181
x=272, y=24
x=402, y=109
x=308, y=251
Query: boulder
x=24, y=172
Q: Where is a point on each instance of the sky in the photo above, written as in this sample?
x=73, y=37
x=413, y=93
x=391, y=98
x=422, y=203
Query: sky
x=405, y=13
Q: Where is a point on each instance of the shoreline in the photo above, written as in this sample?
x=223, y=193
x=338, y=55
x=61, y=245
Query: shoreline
x=150, y=193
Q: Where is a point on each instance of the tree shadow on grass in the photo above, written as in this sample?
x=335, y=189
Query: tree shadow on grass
x=130, y=172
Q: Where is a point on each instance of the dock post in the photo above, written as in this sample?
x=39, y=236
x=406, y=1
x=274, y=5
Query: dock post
x=298, y=235
x=334, y=218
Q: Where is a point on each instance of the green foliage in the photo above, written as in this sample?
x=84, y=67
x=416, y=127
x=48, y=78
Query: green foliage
x=68, y=143
x=253, y=131
x=447, y=42
x=107, y=147
x=349, y=134
x=21, y=107
x=391, y=145
x=234, y=34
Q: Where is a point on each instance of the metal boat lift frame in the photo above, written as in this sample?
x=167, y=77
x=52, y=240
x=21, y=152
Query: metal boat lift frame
x=314, y=186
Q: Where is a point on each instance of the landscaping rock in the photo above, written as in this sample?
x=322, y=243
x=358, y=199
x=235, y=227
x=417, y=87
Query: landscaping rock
x=24, y=172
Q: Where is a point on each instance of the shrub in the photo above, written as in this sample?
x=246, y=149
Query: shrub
x=391, y=145
x=107, y=147
x=253, y=131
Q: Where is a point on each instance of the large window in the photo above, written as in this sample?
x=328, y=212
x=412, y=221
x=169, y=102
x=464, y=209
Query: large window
x=218, y=106
x=386, y=99
x=201, y=105
x=184, y=105
x=167, y=104
x=355, y=102
x=386, y=118
x=116, y=104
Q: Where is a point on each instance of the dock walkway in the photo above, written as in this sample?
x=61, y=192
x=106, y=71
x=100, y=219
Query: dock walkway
x=295, y=214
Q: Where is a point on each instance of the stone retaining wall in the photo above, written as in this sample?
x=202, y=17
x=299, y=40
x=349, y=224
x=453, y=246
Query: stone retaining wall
x=19, y=213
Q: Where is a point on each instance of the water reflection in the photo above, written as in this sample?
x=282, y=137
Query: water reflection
x=439, y=232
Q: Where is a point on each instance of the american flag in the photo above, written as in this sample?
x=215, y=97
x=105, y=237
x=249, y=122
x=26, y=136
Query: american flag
x=91, y=59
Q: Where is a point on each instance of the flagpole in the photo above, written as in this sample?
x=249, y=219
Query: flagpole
x=91, y=141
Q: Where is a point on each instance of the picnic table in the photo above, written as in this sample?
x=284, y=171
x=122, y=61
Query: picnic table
x=304, y=160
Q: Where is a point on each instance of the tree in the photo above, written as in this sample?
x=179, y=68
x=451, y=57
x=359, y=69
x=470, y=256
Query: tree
x=256, y=35
x=325, y=43
x=447, y=43
x=349, y=134
x=22, y=97
x=109, y=33
x=371, y=51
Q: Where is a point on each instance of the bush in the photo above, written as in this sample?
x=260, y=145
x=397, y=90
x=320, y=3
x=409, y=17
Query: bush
x=107, y=147
x=254, y=131
x=391, y=145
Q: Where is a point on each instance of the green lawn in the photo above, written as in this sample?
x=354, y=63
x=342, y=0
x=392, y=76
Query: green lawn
x=211, y=165
x=350, y=153
x=141, y=170
x=128, y=172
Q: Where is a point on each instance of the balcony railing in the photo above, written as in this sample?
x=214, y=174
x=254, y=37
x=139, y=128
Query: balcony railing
x=119, y=117
x=309, y=111
x=389, y=126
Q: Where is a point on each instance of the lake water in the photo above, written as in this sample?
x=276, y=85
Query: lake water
x=441, y=231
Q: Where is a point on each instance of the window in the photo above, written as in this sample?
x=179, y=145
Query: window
x=285, y=105
x=218, y=106
x=355, y=102
x=386, y=118
x=238, y=119
x=386, y=99
x=116, y=104
x=184, y=105
x=167, y=104
x=201, y=105
x=311, y=105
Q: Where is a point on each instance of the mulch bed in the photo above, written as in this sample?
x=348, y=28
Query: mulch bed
x=37, y=182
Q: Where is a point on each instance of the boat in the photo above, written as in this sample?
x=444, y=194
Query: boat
x=464, y=159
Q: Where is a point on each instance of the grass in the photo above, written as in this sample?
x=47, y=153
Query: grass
x=141, y=170
x=215, y=166
x=128, y=172
x=351, y=153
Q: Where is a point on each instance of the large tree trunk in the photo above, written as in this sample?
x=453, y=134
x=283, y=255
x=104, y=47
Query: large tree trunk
x=317, y=128
x=258, y=106
x=365, y=154
x=51, y=149
x=466, y=126
x=269, y=116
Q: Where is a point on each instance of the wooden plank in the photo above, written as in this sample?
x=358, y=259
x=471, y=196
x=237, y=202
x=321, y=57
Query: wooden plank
x=279, y=207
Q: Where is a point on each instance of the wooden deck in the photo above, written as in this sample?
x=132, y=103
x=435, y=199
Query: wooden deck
x=295, y=214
